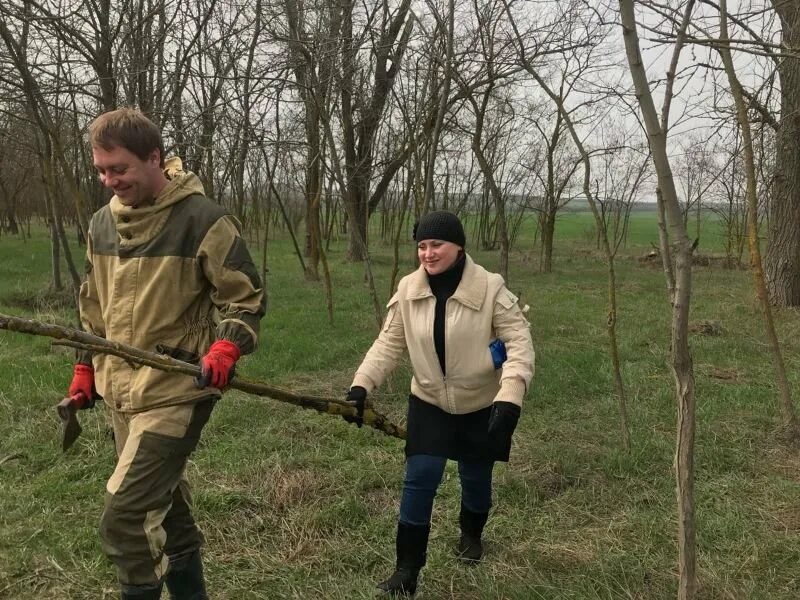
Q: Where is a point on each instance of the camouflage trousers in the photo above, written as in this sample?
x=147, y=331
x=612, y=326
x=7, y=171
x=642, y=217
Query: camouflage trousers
x=147, y=519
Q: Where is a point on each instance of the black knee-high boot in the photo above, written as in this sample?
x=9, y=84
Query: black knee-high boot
x=185, y=579
x=412, y=546
x=470, y=546
x=141, y=592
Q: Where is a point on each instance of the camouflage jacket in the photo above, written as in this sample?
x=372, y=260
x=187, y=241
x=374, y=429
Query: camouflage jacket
x=169, y=278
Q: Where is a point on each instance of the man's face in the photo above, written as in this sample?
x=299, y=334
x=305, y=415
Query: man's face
x=133, y=180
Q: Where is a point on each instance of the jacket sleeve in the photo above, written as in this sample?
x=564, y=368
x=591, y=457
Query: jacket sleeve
x=236, y=288
x=386, y=350
x=89, y=304
x=513, y=328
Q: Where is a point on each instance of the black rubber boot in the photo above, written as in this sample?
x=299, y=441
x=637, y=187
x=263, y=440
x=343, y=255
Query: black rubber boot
x=412, y=546
x=141, y=592
x=185, y=578
x=470, y=546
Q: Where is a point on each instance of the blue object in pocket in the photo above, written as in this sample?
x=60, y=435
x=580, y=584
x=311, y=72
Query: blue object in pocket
x=498, y=350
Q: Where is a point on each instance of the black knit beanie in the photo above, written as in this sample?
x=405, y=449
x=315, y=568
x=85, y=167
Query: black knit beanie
x=440, y=225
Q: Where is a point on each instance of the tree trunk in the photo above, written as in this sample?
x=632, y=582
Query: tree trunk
x=680, y=355
x=789, y=417
x=783, y=248
x=406, y=195
x=313, y=96
x=55, y=255
x=358, y=227
x=313, y=187
x=55, y=243
x=664, y=247
x=360, y=127
x=316, y=233
x=62, y=236
x=13, y=228
x=548, y=234
x=312, y=225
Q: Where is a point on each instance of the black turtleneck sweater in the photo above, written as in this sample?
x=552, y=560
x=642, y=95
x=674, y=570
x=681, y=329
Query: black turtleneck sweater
x=443, y=286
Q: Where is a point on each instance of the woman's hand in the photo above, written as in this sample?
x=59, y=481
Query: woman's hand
x=357, y=396
x=502, y=422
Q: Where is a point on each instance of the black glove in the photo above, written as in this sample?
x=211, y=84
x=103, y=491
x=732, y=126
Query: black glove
x=357, y=396
x=502, y=422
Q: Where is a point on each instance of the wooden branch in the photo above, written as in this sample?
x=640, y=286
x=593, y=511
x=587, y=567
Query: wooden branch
x=86, y=341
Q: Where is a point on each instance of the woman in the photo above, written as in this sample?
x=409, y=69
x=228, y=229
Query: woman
x=462, y=406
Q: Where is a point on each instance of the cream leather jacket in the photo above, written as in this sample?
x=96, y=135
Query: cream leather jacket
x=480, y=310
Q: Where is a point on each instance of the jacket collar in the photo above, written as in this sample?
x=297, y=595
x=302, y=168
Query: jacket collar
x=136, y=226
x=470, y=292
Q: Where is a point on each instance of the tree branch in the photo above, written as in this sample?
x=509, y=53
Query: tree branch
x=80, y=339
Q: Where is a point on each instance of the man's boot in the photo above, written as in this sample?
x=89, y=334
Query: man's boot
x=141, y=592
x=412, y=546
x=470, y=546
x=185, y=578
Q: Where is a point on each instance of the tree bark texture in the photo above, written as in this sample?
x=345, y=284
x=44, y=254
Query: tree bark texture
x=787, y=407
x=681, y=359
x=783, y=246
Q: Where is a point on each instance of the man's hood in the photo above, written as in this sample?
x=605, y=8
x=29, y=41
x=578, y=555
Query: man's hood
x=137, y=225
x=180, y=184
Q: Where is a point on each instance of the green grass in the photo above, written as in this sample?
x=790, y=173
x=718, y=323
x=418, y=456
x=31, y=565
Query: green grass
x=299, y=505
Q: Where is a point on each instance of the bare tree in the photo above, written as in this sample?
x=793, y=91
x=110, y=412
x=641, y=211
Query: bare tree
x=574, y=58
x=16, y=43
x=789, y=414
x=312, y=62
x=566, y=116
x=731, y=205
x=489, y=16
x=17, y=183
x=624, y=168
x=681, y=358
x=783, y=249
x=700, y=171
x=365, y=89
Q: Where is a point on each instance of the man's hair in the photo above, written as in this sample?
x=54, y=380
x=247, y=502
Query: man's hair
x=127, y=128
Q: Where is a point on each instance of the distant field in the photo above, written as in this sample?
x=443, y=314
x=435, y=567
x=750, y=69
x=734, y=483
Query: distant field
x=299, y=505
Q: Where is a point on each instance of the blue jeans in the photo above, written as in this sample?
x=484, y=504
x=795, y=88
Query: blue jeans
x=423, y=476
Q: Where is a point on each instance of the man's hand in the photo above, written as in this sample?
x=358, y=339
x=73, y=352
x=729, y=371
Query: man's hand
x=82, y=382
x=502, y=422
x=357, y=396
x=218, y=365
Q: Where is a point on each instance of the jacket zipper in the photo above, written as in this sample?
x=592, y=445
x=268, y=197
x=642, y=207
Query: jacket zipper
x=446, y=345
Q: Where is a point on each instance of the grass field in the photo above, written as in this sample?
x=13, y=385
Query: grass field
x=299, y=505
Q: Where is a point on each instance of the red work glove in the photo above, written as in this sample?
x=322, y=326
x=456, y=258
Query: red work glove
x=82, y=387
x=217, y=366
x=82, y=381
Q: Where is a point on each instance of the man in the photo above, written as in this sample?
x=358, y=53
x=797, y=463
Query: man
x=167, y=271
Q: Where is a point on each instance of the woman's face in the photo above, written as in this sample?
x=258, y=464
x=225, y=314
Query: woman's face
x=437, y=255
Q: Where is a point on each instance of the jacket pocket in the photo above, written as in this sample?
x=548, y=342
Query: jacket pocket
x=392, y=308
x=178, y=354
x=507, y=299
